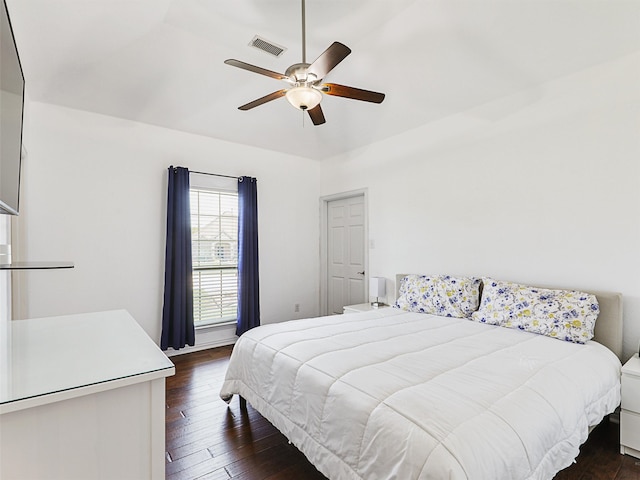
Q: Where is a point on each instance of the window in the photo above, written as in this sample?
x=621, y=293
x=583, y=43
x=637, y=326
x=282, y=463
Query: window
x=214, y=237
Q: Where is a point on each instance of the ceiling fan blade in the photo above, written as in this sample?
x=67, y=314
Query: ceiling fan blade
x=317, y=117
x=328, y=59
x=351, y=92
x=252, y=68
x=265, y=99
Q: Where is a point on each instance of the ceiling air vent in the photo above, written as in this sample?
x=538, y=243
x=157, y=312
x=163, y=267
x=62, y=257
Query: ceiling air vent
x=267, y=46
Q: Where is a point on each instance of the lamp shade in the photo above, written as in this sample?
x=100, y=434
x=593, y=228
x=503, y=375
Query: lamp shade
x=377, y=287
x=304, y=98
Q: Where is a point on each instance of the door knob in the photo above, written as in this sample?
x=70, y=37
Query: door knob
x=360, y=273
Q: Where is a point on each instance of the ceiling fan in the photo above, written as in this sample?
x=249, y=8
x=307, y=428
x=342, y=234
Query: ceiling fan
x=306, y=88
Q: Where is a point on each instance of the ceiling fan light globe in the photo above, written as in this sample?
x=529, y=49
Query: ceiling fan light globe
x=304, y=98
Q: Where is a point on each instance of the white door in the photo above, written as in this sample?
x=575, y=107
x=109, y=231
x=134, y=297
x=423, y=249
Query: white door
x=345, y=253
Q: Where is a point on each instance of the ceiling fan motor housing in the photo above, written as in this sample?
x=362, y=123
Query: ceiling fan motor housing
x=298, y=74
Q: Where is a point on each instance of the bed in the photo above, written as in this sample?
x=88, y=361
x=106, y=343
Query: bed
x=394, y=394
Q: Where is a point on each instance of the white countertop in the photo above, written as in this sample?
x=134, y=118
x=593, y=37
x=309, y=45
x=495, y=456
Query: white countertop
x=54, y=358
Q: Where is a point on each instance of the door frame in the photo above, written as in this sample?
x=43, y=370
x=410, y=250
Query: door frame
x=324, y=211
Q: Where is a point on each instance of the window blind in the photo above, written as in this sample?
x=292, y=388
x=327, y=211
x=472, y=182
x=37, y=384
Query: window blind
x=214, y=237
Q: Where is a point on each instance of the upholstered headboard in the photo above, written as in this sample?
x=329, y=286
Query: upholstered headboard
x=608, y=330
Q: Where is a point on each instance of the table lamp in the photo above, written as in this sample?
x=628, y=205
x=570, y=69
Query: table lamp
x=377, y=288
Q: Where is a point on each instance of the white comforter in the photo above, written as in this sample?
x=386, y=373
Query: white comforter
x=395, y=395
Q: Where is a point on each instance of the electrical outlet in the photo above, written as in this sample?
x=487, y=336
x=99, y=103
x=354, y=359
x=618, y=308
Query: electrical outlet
x=296, y=307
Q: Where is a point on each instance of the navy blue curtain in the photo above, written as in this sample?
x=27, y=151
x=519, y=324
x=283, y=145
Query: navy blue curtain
x=177, y=311
x=248, y=285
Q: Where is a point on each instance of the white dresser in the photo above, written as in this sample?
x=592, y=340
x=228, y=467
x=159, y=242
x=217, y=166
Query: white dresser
x=82, y=397
x=630, y=413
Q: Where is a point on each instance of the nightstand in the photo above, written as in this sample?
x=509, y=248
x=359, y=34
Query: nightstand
x=630, y=413
x=361, y=307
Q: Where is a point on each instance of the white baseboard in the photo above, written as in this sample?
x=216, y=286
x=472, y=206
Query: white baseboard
x=209, y=337
x=201, y=346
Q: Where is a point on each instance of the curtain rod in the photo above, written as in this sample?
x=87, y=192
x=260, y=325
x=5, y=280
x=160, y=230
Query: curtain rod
x=214, y=174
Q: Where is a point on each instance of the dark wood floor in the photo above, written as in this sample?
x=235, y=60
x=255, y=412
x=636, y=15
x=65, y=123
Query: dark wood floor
x=207, y=439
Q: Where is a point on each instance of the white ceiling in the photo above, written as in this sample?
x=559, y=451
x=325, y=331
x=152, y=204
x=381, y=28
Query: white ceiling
x=161, y=61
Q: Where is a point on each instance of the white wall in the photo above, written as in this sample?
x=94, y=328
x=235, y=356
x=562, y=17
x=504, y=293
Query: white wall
x=541, y=187
x=5, y=295
x=95, y=194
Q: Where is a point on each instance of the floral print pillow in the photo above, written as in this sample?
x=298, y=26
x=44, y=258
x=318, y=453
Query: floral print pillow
x=563, y=314
x=441, y=295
